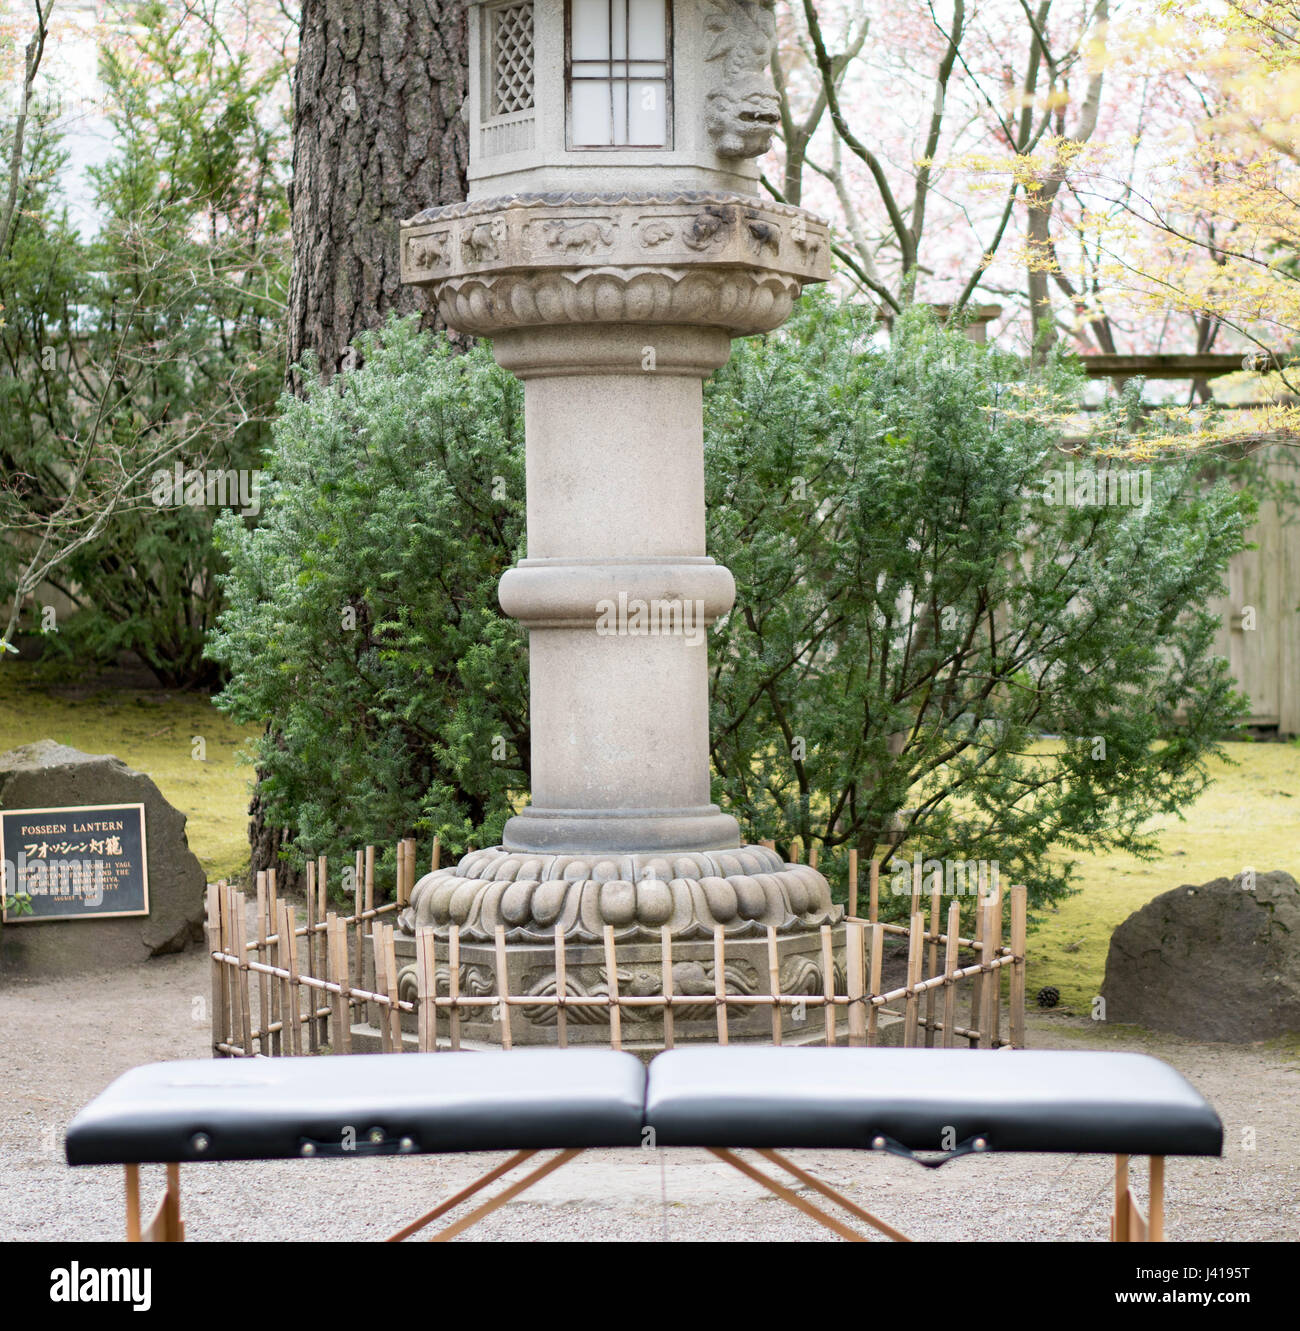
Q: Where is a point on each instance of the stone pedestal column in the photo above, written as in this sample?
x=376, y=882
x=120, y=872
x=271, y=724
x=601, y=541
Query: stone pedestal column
x=613, y=310
x=617, y=592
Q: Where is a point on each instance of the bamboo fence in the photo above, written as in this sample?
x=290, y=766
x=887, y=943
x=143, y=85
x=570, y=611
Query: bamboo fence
x=291, y=981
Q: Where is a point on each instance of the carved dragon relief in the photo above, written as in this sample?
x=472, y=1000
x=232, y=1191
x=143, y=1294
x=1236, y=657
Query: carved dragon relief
x=742, y=110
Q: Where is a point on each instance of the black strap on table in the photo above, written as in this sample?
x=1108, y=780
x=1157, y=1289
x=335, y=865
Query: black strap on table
x=971, y=1146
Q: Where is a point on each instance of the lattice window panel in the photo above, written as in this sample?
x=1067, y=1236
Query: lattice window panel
x=512, y=59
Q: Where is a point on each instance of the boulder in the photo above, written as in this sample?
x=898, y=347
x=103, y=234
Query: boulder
x=46, y=775
x=1216, y=962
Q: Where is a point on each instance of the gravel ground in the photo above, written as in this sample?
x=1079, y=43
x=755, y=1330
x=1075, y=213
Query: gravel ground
x=61, y=1047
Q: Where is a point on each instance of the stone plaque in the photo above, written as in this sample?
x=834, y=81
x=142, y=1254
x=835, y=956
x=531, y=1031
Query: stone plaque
x=83, y=862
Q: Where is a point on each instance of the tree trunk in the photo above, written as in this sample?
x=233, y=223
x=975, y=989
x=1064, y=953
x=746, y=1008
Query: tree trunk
x=377, y=136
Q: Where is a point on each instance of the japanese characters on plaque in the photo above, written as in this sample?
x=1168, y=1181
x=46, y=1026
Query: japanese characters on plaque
x=87, y=862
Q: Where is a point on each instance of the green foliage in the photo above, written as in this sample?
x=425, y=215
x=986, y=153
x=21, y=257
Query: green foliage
x=362, y=618
x=155, y=342
x=912, y=617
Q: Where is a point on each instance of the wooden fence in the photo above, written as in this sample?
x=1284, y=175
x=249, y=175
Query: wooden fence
x=288, y=983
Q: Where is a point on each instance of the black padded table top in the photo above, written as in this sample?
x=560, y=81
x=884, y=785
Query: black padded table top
x=271, y=1108
x=1016, y=1100
x=917, y=1099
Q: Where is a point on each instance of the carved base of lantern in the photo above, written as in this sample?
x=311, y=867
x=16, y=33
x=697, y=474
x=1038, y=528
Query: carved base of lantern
x=701, y=259
x=531, y=971
x=744, y=890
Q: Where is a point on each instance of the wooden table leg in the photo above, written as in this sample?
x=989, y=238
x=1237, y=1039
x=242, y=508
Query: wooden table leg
x=1156, y=1208
x=1119, y=1228
x=133, y=1203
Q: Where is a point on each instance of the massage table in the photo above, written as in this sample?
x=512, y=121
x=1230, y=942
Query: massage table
x=931, y=1106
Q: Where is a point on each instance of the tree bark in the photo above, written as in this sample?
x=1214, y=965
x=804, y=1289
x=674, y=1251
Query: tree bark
x=377, y=136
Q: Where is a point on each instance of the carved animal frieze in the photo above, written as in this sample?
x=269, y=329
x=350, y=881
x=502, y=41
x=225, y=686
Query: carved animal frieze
x=583, y=237
x=808, y=244
x=763, y=235
x=709, y=227
x=481, y=243
x=427, y=251
x=655, y=232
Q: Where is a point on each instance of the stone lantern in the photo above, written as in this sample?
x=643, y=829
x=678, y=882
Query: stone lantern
x=612, y=245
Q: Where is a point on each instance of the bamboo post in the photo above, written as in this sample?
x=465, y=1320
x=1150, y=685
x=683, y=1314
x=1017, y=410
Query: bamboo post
x=321, y=946
x=666, y=982
x=949, y=971
x=358, y=900
x=812, y=854
x=720, y=982
x=278, y=985
x=873, y=890
x=435, y=860
x=996, y=1023
x=381, y=986
x=611, y=972
x=876, y=933
x=426, y=976
x=828, y=984
x=227, y=949
x=916, y=888
x=313, y=1042
x=794, y=850
x=277, y=996
x=368, y=904
x=263, y=985
x=915, y=944
x=241, y=951
x=1016, y=997
x=453, y=984
x=989, y=976
x=390, y=969
x=503, y=984
x=853, y=882
x=290, y=1005
x=330, y=974
x=774, y=982
x=977, y=984
x=855, y=974
x=561, y=989
x=220, y=1032
x=932, y=969
x=342, y=972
